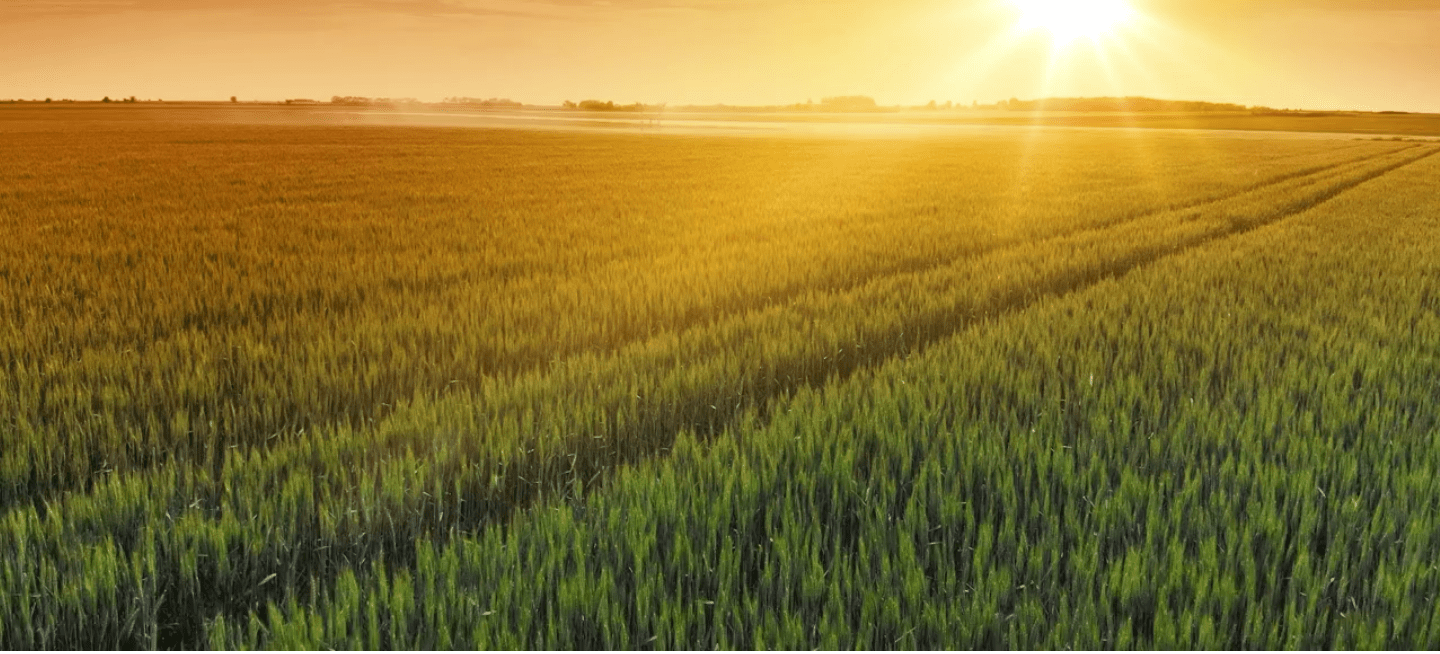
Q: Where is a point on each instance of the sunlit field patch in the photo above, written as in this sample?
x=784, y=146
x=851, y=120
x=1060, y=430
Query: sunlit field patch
x=376, y=387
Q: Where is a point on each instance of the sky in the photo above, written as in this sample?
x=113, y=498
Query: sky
x=1313, y=54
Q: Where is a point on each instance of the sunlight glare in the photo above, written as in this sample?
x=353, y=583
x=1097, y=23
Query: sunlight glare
x=1069, y=20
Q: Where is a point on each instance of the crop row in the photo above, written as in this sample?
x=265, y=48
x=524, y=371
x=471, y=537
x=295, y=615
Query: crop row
x=184, y=543
x=167, y=300
x=1233, y=448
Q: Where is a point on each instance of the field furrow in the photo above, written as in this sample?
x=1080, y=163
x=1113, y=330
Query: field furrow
x=438, y=466
x=321, y=301
x=1141, y=463
x=305, y=386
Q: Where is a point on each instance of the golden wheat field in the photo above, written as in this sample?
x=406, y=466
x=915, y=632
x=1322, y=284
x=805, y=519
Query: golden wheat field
x=310, y=383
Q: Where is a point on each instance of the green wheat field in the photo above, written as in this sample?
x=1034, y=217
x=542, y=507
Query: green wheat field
x=317, y=385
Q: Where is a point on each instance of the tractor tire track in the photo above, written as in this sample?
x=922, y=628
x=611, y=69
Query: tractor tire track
x=780, y=297
x=39, y=489
x=640, y=428
x=632, y=427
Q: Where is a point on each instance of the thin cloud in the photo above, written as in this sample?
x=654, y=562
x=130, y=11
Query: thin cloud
x=1230, y=7
x=1366, y=5
x=11, y=8
x=21, y=9
x=42, y=8
x=443, y=8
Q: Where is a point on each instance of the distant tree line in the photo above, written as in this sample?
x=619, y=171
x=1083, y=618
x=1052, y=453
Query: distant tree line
x=356, y=100
x=843, y=103
x=935, y=106
x=107, y=99
x=484, y=102
x=608, y=105
x=1302, y=113
x=1125, y=104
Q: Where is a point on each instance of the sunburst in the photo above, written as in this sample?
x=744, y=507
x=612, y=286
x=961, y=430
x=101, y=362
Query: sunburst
x=1071, y=20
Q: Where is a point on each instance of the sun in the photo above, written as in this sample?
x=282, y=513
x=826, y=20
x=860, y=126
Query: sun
x=1070, y=20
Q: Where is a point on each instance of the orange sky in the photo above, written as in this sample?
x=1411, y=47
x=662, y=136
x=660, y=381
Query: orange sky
x=1360, y=54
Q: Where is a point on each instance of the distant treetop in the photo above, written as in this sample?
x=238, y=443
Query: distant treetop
x=607, y=105
x=1126, y=104
x=356, y=100
x=491, y=102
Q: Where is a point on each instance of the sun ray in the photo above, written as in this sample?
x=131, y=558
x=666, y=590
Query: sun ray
x=1072, y=20
x=984, y=62
x=1167, y=41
